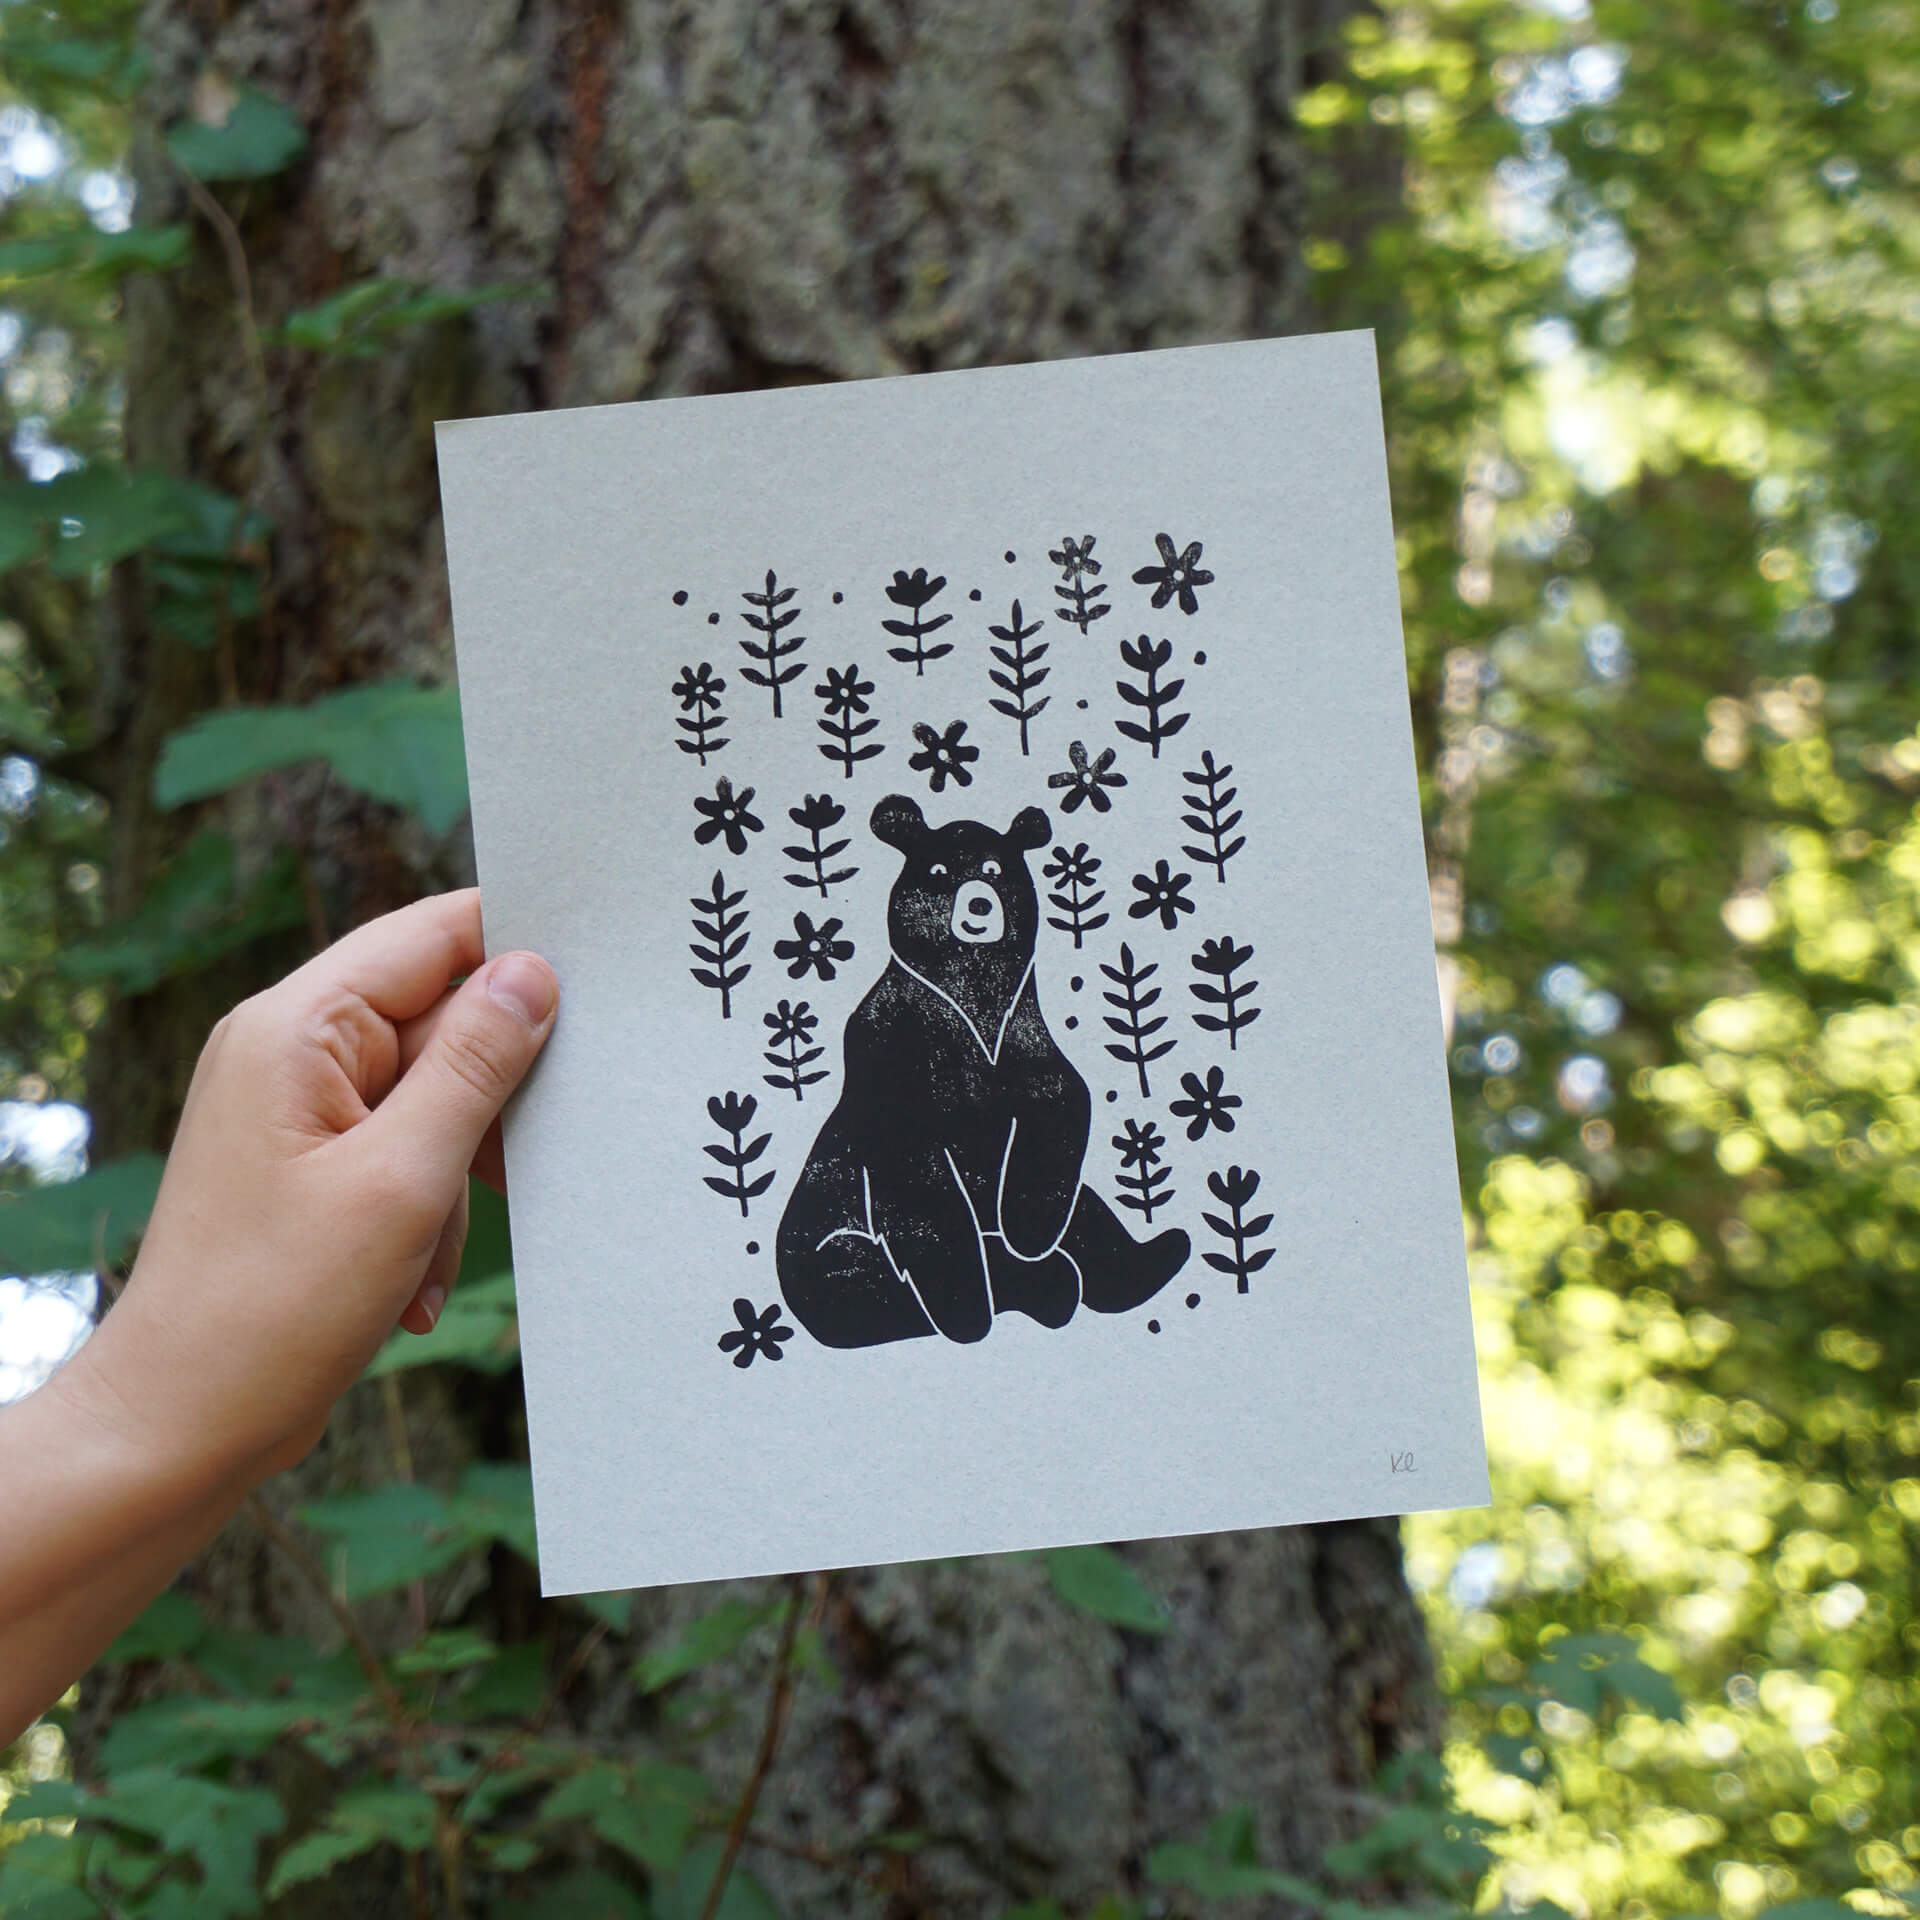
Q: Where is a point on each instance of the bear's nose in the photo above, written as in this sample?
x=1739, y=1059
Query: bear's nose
x=978, y=918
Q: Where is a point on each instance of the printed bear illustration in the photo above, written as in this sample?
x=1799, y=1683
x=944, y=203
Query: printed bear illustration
x=945, y=1186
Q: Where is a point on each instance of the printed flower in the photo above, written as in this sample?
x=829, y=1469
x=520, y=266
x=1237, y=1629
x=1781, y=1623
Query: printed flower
x=944, y=754
x=1086, y=781
x=727, y=812
x=816, y=812
x=813, y=949
x=1179, y=574
x=757, y=1334
x=795, y=1025
x=844, y=693
x=734, y=1114
x=699, y=687
x=1072, y=869
x=1207, y=1103
x=915, y=589
x=1139, y=1146
x=1165, y=894
x=1075, y=557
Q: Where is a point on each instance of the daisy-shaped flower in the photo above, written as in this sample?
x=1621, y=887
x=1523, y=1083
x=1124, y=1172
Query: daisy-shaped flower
x=813, y=949
x=943, y=756
x=797, y=1024
x=1084, y=781
x=1140, y=1146
x=844, y=693
x=1177, y=575
x=1075, y=557
x=1072, y=866
x=1208, y=1104
x=757, y=1334
x=1164, y=893
x=699, y=687
x=727, y=813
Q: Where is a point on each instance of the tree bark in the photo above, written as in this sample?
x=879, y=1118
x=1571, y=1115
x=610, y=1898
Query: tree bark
x=713, y=195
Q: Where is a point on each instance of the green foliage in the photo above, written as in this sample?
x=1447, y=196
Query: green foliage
x=253, y=139
x=86, y=250
x=399, y=743
x=361, y=321
x=401, y=1532
x=718, y=1633
x=1099, y=1582
x=79, y=1225
x=477, y=1328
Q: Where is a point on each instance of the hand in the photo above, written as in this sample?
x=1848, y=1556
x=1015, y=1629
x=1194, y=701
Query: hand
x=316, y=1193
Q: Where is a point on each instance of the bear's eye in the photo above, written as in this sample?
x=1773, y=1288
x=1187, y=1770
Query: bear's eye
x=991, y=868
x=937, y=872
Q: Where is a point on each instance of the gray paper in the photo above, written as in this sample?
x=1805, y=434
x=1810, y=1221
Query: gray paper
x=943, y=1350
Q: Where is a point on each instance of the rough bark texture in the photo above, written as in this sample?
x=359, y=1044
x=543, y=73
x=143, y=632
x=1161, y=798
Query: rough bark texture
x=710, y=196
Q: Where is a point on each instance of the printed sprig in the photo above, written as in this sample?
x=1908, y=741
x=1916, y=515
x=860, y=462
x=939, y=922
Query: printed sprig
x=816, y=815
x=724, y=933
x=1146, y=657
x=1234, y=1189
x=771, y=649
x=1220, y=960
x=698, y=690
x=1136, y=1024
x=793, y=1051
x=1214, y=816
x=733, y=1115
x=1075, y=560
x=1023, y=671
x=1072, y=870
x=1142, y=1178
x=915, y=591
x=844, y=696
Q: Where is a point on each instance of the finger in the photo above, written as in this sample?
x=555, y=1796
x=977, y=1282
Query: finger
x=436, y=1284
x=480, y=1048
x=415, y=1033
x=403, y=962
x=490, y=1163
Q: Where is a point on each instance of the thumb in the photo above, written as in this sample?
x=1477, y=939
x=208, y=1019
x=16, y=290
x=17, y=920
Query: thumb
x=487, y=1036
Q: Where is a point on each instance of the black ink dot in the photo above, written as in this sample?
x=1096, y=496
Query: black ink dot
x=1193, y=1299
x=1199, y=659
x=1073, y=1020
x=1010, y=556
x=1111, y=1096
x=1153, y=1326
x=1081, y=704
x=713, y=619
x=975, y=594
x=680, y=598
x=838, y=597
x=1076, y=983
x=753, y=1246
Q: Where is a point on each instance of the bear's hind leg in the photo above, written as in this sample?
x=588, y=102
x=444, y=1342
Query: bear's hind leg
x=1117, y=1272
x=1047, y=1289
x=845, y=1292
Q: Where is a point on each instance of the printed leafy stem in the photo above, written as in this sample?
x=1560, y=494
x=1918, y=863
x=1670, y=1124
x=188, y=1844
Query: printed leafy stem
x=1022, y=671
x=1075, y=560
x=1234, y=1189
x=1142, y=1179
x=1146, y=657
x=1134, y=1023
x=845, y=698
x=733, y=1115
x=792, y=1052
x=770, y=649
x=1072, y=870
x=816, y=814
x=914, y=591
x=698, y=690
x=1219, y=960
x=1214, y=816
x=721, y=923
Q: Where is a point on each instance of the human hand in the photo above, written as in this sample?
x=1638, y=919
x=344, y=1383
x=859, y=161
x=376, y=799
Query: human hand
x=316, y=1192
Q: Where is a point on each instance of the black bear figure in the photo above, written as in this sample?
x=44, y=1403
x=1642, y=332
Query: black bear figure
x=945, y=1186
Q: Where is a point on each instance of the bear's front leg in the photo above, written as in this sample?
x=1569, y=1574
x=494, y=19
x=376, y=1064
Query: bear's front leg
x=1040, y=1172
x=922, y=1212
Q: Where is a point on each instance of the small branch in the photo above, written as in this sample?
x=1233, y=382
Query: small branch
x=396, y=1412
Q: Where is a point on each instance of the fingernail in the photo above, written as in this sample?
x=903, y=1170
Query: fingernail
x=431, y=1302
x=524, y=983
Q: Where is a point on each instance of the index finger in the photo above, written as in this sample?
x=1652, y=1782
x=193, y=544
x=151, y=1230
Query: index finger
x=400, y=964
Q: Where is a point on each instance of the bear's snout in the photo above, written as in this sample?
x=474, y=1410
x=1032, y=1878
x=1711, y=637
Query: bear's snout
x=978, y=917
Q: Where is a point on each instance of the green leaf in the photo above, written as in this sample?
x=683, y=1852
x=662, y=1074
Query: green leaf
x=85, y=249
x=401, y=744
x=221, y=1827
x=495, y=1502
x=356, y=1823
x=1582, y=1670
x=361, y=319
x=39, y=1879
x=449, y=1650
x=615, y=1607
x=385, y=1538
x=684, y=1896
x=169, y=1627
x=257, y=138
x=477, y=1328
x=184, y=1732
x=586, y=1893
x=713, y=1636
x=1224, y=1864
x=76, y=1226
x=46, y=1800
x=193, y=913
x=1099, y=1582
x=95, y=515
x=648, y=1811
x=511, y=1688
x=316, y=1854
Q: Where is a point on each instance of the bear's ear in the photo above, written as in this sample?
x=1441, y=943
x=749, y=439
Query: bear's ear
x=1029, y=829
x=899, y=822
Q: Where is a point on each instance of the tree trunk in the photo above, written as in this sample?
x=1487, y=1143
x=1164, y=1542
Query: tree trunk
x=710, y=195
